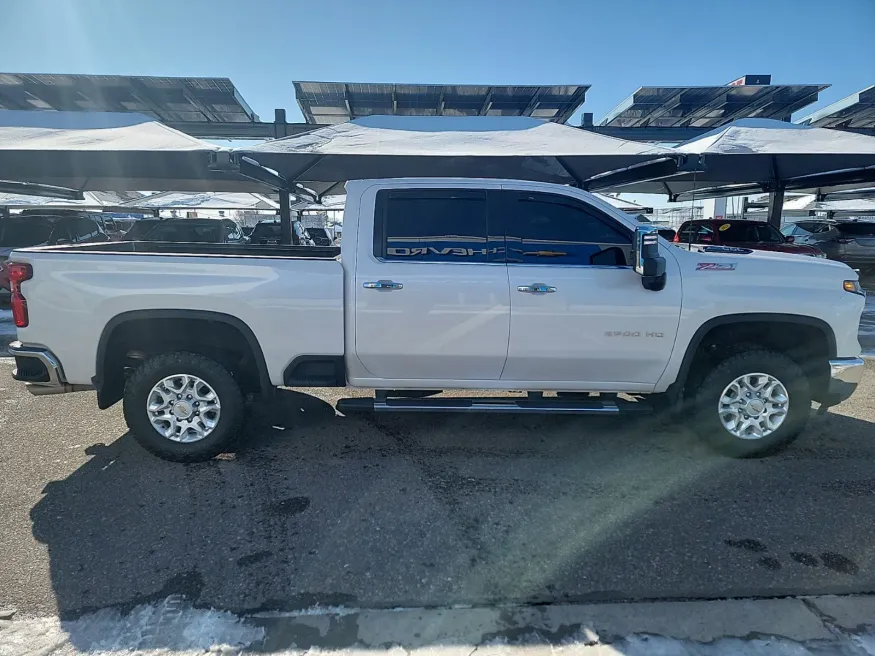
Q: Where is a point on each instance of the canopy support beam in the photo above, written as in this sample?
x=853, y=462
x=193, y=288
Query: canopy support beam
x=776, y=205
x=35, y=189
x=285, y=217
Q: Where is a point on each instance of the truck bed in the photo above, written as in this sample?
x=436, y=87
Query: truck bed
x=290, y=297
x=195, y=249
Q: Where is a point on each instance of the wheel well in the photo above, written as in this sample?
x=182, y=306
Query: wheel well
x=128, y=341
x=807, y=344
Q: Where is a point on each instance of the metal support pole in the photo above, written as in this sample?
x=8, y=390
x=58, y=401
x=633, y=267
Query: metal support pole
x=285, y=218
x=776, y=205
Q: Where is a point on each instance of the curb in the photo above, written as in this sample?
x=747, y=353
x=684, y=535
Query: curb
x=792, y=625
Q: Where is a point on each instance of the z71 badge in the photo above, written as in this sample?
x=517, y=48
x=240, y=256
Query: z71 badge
x=715, y=266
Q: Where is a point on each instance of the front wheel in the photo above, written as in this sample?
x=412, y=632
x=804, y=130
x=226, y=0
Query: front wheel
x=183, y=407
x=752, y=404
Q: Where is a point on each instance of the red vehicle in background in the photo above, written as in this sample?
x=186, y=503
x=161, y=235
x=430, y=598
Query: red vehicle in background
x=756, y=235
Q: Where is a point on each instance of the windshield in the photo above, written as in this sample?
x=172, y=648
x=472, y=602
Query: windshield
x=748, y=231
x=20, y=233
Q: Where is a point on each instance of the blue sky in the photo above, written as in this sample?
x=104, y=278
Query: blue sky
x=617, y=46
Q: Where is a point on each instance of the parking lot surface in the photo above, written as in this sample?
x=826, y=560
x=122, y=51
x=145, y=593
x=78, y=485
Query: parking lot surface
x=423, y=510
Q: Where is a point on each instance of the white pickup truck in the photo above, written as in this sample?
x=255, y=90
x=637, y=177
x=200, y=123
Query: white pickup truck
x=444, y=284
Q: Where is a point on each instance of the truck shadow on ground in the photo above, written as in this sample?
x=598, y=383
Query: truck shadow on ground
x=439, y=510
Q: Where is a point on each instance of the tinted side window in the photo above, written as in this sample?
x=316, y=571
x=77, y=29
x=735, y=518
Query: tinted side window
x=84, y=229
x=433, y=225
x=550, y=229
x=697, y=233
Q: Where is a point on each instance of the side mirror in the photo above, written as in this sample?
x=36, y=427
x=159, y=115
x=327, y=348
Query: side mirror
x=790, y=240
x=648, y=263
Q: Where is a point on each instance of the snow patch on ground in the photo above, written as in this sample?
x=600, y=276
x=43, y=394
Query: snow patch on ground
x=169, y=627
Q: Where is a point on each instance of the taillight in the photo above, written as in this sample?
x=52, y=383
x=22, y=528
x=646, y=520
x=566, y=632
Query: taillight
x=18, y=273
x=676, y=239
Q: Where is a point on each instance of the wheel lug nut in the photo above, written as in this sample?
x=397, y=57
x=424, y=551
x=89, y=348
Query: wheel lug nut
x=188, y=396
x=179, y=396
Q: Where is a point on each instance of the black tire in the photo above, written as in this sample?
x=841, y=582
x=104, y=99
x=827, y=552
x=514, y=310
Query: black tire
x=705, y=403
x=155, y=369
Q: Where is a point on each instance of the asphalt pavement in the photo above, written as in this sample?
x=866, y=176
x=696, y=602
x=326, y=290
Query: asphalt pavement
x=423, y=511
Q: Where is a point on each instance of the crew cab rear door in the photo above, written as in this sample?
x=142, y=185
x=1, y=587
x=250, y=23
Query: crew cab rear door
x=579, y=313
x=430, y=287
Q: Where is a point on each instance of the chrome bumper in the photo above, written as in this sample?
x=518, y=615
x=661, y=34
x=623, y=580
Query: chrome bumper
x=39, y=383
x=844, y=376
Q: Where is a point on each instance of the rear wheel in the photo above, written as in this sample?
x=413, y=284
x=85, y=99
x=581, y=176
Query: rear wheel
x=752, y=404
x=183, y=407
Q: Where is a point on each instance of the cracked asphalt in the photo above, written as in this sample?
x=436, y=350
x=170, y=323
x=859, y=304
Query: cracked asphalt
x=423, y=510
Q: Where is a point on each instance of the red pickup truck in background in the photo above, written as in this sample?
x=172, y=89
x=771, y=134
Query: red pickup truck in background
x=756, y=235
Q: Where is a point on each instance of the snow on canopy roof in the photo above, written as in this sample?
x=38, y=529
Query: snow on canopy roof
x=767, y=136
x=108, y=151
x=456, y=136
x=91, y=199
x=497, y=147
x=91, y=131
x=210, y=200
x=809, y=203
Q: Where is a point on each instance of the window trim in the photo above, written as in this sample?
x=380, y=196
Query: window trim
x=512, y=196
x=381, y=209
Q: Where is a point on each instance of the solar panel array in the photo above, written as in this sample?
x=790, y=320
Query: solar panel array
x=855, y=111
x=169, y=99
x=338, y=102
x=709, y=107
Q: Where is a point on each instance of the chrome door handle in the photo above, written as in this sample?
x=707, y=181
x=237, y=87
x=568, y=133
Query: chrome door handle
x=536, y=288
x=383, y=284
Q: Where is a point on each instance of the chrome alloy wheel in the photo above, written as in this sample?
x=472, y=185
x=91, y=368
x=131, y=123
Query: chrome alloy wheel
x=753, y=406
x=183, y=408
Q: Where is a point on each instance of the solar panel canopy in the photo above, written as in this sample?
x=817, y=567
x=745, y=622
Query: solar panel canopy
x=855, y=111
x=707, y=107
x=169, y=99
x=329, y=103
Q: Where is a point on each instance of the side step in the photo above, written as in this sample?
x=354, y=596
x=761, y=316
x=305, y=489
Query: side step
x=515, y=405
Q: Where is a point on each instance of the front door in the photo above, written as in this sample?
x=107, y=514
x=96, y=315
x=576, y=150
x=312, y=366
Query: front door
x=432, y=299
x=579, y=314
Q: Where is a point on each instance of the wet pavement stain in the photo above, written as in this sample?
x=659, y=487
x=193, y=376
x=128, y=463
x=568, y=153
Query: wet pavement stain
x=251, y=559
x=805, y=558
x=747, y=544
x=289, y=507
x=839, y=563
x=770, y=563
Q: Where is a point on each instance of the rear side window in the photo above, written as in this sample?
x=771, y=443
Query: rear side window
x=696, y=233
x=553, y=229
x=433, y=225
x=19, y=233
x=857, y=229
x=83, y=229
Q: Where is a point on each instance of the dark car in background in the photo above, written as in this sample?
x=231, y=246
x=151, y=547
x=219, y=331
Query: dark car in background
x=851, y=242
x=140, y=229
x=270, y=232
x=211, y=231
x=320, y=236
x=756, y=235
x=28, y=229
